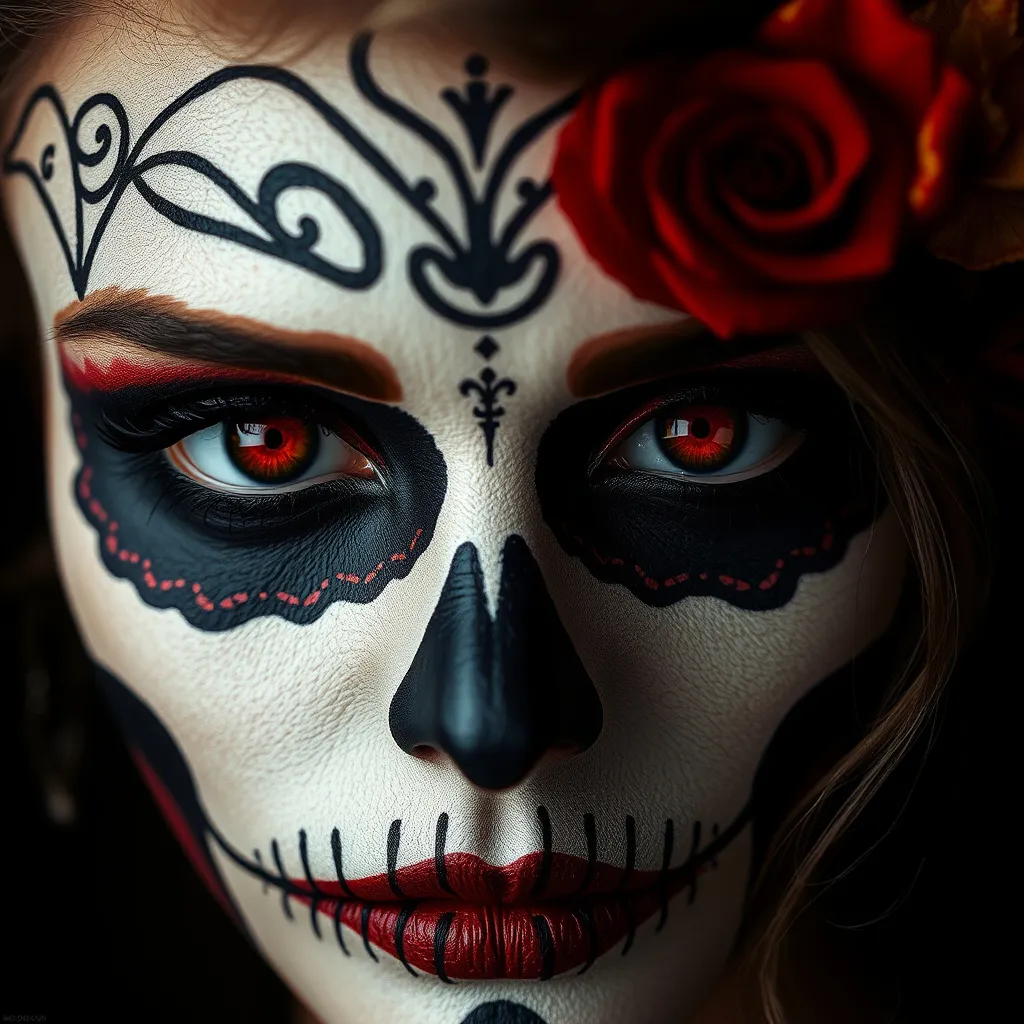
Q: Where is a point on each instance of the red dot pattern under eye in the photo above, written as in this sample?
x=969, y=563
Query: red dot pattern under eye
x=273, y=451
x=700, y=438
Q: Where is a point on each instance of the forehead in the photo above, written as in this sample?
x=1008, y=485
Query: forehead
x=394, y=191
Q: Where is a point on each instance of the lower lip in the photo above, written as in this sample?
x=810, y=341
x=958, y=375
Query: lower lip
x=453, y=939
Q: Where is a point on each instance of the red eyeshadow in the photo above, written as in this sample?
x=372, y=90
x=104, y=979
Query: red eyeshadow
x=122, y=372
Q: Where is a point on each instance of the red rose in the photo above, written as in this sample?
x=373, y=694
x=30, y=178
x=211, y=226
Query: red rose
x=764, y=189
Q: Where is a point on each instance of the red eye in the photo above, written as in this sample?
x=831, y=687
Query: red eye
x=701, y=438
x=274, y=451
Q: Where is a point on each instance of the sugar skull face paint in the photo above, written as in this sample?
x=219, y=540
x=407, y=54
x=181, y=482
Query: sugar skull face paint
x=450, y=653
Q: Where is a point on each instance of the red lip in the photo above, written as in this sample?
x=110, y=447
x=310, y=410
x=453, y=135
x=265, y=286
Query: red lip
x=490, y=925
x=459, y=917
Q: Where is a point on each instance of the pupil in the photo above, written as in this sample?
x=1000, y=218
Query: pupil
x=700, y=429
x=273, y=438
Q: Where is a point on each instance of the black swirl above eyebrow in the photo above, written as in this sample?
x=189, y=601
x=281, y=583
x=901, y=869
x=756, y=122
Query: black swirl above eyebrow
x=481, y=259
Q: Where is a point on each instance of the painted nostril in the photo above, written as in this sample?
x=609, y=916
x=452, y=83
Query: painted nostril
x=497, y=695
x=425, y=752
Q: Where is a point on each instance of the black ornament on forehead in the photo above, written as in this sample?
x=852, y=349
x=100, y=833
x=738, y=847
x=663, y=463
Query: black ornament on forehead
x=488, y=410
x=81, y=182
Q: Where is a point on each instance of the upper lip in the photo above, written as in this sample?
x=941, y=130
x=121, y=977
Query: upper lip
x=468, y=878
x=542, y=876
x=457, y=916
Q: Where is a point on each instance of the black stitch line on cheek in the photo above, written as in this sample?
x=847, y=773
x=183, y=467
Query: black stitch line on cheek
x=631, y=918
x=544, y=874
x=440, y=841
x=547, y=946
x=336, y=854
x=275, y=852
x=315, y=894
x=694, y=851
x=364, y=929
x=400, y=925
x=666, y=859
x=339, y=928
x=630, y=851
x=394, y=839
x=590, y=831
x=443, y=927
x=582, y=912
x=586, y=920
x=258, y=858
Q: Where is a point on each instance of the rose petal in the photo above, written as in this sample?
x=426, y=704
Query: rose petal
x=808, y=147
x=620, y=117
x=862, y=244
x=938, y=145
x=657, y=210
x=870, y=40
x=812, y=91
x=618, y=246
x=702, y=238
x=729, y=309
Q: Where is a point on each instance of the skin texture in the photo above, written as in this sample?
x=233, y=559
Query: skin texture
x=268, y=727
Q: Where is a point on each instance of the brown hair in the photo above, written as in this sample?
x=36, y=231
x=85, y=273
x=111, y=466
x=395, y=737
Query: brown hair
x=909, y=411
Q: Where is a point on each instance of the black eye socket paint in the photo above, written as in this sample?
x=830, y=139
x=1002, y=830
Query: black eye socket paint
x=223, y=559
x=748, y=543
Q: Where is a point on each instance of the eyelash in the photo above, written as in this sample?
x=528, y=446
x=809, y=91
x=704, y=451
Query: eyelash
x=144, y=431
x=160, y=425
x=744, y=392
x=146, y=428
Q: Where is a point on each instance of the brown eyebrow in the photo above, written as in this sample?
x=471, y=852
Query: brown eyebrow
x=168, y=326
x=636, y=355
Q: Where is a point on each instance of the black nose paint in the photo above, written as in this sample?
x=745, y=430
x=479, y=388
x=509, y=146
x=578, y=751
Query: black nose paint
x=503, y=1012
x=495, y=694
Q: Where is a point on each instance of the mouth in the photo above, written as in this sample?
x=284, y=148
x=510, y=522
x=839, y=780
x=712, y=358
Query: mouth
x=456, y=916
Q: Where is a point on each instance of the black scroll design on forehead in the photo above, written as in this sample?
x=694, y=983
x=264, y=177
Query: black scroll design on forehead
x=124, y=165
x=482, y=260
x=87, y=178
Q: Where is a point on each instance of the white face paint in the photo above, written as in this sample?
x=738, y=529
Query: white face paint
x=260, y=674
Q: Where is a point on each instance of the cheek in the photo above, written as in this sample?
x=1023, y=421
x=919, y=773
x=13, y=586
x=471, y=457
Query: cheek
x=696, y=690
x=278, y=721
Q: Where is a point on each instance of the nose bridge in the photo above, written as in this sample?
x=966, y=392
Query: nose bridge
x=495, y=693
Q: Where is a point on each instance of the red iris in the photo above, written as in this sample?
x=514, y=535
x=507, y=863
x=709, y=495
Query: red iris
x=273, y=451
x=701, y=438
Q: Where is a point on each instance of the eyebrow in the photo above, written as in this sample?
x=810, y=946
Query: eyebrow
x=167, y=326
x=637, y=355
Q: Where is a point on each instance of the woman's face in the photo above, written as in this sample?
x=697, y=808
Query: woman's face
x=449, y=596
